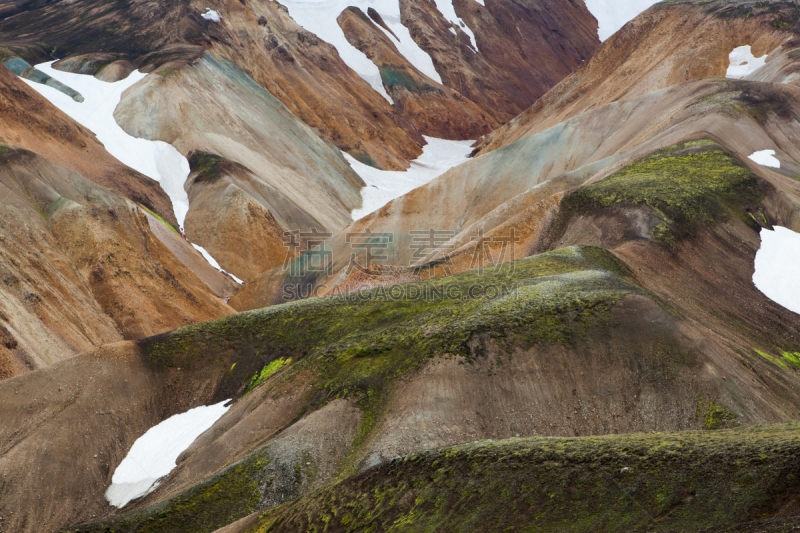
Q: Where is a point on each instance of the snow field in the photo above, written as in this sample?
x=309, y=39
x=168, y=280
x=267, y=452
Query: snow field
x=777, y=273
x=157, y=160
x=612, y=15
x=766, y=158
x=383, y=186
x=155, y=453
x=744, y=63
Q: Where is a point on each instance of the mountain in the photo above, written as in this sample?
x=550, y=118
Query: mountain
x=81, y=265
x=431, y=264
x=284, y=49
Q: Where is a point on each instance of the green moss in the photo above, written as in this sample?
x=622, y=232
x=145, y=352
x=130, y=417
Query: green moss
x=357, y=345
x=793, y=359
x=266, y=372
x=683, y=482
x=159, y=218
x=357, y=341
x=209, y=168
x=233, y=493
x=360, y=343
x=689, y=186
x=787, y=360
x=713, y=415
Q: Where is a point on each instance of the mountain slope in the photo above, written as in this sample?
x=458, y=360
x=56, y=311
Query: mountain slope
x=638, y=59
x=502, y=55
x=82, y=268
x=30, y=122
x=439, y=373
x=323, y=86
x=654, y=482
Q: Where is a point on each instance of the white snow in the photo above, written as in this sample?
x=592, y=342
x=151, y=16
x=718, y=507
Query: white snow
x=446, y=8
x=744, y=63
x=154, y=454
x=777, y=273
x=383, y=186
x=766, y=158
x=319, y=17
x=612, y=15
x=155, y=159
x=213, y=262
x=211, y=15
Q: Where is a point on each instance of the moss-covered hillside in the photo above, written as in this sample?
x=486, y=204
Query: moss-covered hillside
x=699, y=481
x=357, y=342
x=689, y=186
x=357, y=345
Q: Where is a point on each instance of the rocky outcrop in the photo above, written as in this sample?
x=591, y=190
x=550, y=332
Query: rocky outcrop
x=106, y=67
x=145, y=32
x=435, y=110
x=522, y=48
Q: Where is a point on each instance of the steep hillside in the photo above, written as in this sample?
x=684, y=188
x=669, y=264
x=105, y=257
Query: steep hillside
x=521, y=185
x=656, y=482
x=81, y=268
x=28, y=121
x=639, y=59
x=280, y=170
x=433, y=109
x=502, y=55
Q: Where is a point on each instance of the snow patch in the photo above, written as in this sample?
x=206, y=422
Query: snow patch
x=155, y=453
x=744, y=63
x=612, y=15
x=157, y=160
x=212, y=15
x=777, y=273
x=213, y=262
x=446, y=8
x=383, y=186
x=766, y=158
x=319, y=17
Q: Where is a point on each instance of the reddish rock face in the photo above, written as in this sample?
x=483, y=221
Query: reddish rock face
x=434, y=109
x=523, y=48
x=638, y=60
x=309, y=77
